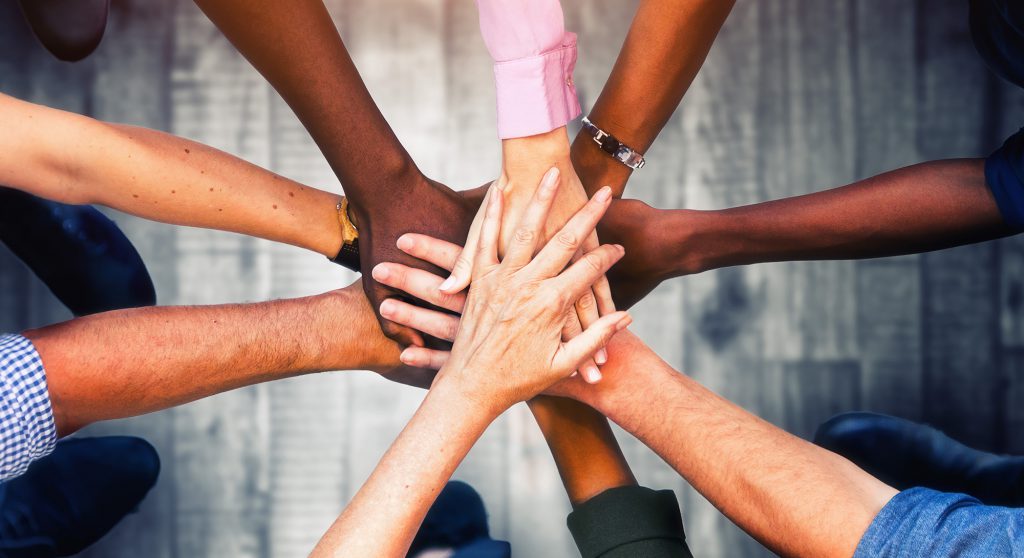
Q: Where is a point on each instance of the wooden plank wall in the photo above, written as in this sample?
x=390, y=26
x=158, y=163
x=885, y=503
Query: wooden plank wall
x=797, y=96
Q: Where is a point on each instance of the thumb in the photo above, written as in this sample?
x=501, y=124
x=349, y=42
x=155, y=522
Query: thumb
x=572, y=353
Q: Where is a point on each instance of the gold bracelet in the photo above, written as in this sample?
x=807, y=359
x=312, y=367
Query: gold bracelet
x=349, y=233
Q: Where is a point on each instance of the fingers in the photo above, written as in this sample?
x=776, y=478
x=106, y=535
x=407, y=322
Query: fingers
x=531, y=224
x=490, y=229
x=434, y=323
x=418, y=283
x=586, y=309
x=560, y=249
x=588, y=368
x=400, y=334
x=439, y=252
x=577, y=280
x=420, y=357
x=596, y=336
x=462, y=268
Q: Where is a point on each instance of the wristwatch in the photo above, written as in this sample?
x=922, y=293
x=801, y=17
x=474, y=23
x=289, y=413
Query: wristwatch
x=612, y=146
x=348, y=256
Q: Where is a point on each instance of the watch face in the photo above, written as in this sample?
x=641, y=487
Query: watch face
x=610, y=145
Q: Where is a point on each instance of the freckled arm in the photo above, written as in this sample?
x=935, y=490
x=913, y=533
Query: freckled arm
x=74, y=159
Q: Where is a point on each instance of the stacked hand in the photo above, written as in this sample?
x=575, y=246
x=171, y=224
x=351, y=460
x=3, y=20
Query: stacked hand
x=515, y=286
x=496, y=357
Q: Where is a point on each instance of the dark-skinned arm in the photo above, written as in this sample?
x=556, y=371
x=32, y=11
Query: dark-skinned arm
x=666, y=46
x=296, y=46
x=924, y=207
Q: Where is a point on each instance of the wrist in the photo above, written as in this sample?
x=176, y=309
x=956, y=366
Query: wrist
x=477, y=403
x=525, y=160
x=694, y=241
x=392, y=178
x=596, y=168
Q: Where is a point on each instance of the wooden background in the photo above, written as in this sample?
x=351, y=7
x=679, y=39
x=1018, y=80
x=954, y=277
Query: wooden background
x=796, y=96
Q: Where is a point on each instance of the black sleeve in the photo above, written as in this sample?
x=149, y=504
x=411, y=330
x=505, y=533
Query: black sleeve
x=629, y=522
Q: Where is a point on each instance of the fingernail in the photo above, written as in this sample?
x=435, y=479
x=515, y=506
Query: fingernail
x=405, y=358
x=604, y=194
x=601, y=356
x=387, y=307
x=592, y=374
x=447, y=284
x=380, y=272
x=550, y=178
x=405, y=243
x=624, y=323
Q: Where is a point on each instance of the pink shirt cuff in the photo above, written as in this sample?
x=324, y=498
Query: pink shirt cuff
x=537, y=94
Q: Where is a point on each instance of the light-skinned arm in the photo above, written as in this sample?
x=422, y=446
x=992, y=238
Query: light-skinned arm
x=130, y=362
x=74, y=159
x=794, y=497
x=508, y=348
x=296, y=46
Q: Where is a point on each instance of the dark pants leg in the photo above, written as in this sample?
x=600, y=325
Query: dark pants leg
x=76, y=251
x=905, y=454
x=69, y=499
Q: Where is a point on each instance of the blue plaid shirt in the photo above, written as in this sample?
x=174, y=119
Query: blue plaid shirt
x=27, y=430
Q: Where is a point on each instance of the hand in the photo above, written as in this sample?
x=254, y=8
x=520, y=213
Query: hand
x=382, y=353
x=595, y=302
x=509, y=345
x=427, y=207
x=514, y=307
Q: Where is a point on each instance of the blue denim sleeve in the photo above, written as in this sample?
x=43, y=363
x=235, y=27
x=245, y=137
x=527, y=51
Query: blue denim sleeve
x=1004, y=174
x=923, y=522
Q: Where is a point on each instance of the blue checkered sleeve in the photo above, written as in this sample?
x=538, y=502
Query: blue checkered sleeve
x=27, y=430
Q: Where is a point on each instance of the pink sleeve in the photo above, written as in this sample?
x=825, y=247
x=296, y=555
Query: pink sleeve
x=534, y=59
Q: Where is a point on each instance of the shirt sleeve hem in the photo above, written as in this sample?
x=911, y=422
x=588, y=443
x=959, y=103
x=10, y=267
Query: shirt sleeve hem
x=537, y=94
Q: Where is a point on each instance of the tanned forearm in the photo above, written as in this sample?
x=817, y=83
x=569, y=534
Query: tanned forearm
x=796, y=498
x=129, y=362
x=74, y=159
x=585, y=451
x=924, y=207
x=296, y=46
x=584, y=448
x=665, y=48
x=383, y=517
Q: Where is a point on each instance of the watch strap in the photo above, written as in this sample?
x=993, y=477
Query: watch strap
x=613, y=147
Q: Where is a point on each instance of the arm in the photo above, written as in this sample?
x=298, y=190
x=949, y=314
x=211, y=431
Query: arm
x=666, y=46
x=129, y=362
x=75, y=159
x=796, y=498
x=496, y=361
x=930, y=206
x=297, y=48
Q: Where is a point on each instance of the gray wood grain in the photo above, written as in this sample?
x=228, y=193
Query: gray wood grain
x=796, y=96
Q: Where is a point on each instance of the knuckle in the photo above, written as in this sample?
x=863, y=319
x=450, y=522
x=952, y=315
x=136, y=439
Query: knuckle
x=462, y=263
x=594, y=262
x=524, y=235
x=450, y=329
x=567, y=239
x=587, y=301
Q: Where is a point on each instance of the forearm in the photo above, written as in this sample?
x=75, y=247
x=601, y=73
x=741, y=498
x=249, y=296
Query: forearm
x=296, y=46
x=129, y=362
x=796, y=498
x=924, y=207
x=584, y=448
x=161, y=177
x=525, y=160
x=383, y=517
x=665, y=48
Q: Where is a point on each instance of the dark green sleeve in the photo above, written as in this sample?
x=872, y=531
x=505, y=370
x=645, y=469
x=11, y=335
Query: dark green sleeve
x=629, y=522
